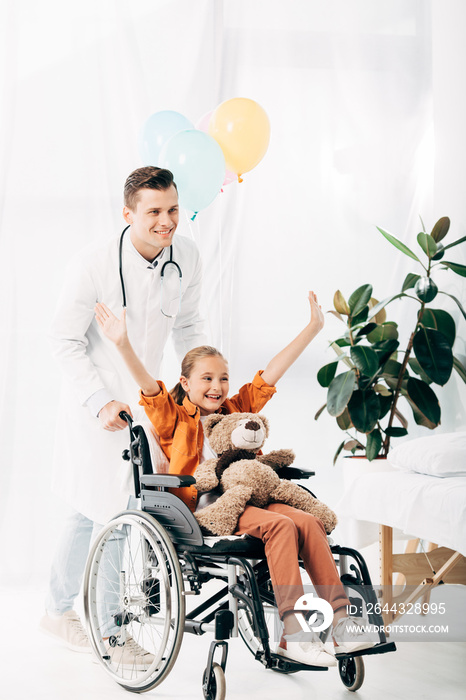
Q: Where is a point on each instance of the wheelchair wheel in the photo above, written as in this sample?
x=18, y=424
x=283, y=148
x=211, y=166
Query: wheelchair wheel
x=134, y=601
x=214, y=688
x=351, y=672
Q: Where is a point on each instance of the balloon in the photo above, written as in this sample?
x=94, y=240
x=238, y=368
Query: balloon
x=198, y=166
x=157, y=130
x=242, y=129
x=203, y=125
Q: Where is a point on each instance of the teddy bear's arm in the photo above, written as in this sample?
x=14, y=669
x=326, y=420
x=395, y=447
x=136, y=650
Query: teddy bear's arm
x=277, y=458
x=206, y=478
x=294, y=495
x=221, y=517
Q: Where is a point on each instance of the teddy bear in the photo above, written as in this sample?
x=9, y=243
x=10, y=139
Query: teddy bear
x=240, y=476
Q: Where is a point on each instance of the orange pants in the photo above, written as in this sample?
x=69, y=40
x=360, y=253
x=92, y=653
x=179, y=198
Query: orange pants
x=289, y=533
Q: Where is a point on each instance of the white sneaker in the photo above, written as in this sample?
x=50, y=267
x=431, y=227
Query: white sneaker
x=68, y=629
x=348, y=636
x=130, y=656
x=306, y=648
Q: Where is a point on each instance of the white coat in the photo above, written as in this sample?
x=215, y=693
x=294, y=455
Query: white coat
x=89, y=473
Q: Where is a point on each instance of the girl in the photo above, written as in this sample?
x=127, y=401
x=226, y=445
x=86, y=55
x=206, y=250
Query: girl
x=288, y=533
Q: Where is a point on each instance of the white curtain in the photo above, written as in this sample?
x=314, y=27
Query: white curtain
x=359, y=96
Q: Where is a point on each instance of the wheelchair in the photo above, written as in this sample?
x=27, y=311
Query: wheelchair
x=145, y=563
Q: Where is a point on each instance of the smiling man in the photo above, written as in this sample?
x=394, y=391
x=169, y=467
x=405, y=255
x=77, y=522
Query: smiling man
x=157, y=276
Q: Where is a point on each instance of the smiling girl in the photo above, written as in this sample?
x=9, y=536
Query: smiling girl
x=286, y=532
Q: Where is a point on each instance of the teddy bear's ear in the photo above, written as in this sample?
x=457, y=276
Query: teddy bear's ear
x=265, y=422
x=211, y=421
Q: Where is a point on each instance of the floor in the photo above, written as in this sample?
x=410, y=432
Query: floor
x=425, y=670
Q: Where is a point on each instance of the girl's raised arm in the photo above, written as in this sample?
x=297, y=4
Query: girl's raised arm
x=115, y=330
x=285, y=358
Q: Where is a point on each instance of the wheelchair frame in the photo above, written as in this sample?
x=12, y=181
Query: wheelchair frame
x=168, y=558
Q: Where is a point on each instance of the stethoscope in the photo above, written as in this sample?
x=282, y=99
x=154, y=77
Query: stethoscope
x=162, y=277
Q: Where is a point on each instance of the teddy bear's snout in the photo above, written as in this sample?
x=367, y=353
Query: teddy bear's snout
x=248, y=434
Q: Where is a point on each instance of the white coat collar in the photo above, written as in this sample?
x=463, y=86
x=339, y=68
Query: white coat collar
x=128, y=247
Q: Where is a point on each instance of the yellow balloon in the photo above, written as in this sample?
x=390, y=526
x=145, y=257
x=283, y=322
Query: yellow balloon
x=242, y=129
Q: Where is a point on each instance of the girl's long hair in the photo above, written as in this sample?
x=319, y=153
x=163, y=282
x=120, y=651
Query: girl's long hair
x=178, y=393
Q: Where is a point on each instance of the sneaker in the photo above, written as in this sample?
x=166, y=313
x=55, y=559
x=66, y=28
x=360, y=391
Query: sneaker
x=68, y=629
x=307, y=649
x=130, y=656
x=348, y=636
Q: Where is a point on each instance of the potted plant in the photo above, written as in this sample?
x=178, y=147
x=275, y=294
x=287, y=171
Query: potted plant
x=376, y=373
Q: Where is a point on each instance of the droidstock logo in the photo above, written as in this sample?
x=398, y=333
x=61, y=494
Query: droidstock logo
x=310, y=603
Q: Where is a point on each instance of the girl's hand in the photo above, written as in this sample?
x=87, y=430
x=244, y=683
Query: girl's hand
x=317, y=316
x=112, y=327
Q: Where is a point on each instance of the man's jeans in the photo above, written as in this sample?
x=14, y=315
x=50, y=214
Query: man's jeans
x=70, y=561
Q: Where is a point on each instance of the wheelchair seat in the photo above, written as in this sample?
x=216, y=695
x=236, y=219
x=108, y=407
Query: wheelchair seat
x=182, y=526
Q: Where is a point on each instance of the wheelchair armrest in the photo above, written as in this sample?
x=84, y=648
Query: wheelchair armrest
x=294, y=473
x=167, y=480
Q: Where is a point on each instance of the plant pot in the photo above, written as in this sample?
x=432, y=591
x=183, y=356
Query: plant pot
x=355, y=465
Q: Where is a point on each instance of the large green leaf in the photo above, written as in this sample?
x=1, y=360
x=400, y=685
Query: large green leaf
x=460, y=368
x=433, y=352
x=340, y=304
x=360, y=317
x=378, y=307
x=365, y=359
x=366, y=329
x=456, y=267
x=416, y=367
x=391, y=368
x=424, y=399
x=359, y=299
x=385, y=404
x=339, y=392
x=385, y=349
x=410, y=281
x=327, y=373
x=344, y=420
x=395, y=431
x=341, y=343
x=373, y=444
x=450, y=245
x=441, y=321
x=419, y=417
x=381, y=317
x=398, y=244
x=427, y=243
x=363, y=408
x=460, y=306
x=384, y=331
x=440, y=229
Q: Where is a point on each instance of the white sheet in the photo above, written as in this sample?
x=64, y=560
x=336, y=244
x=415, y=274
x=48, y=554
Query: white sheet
x=427, y=507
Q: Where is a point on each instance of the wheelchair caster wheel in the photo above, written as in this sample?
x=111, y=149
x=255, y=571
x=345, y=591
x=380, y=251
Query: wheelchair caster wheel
x=213, y=683
x=352, y=672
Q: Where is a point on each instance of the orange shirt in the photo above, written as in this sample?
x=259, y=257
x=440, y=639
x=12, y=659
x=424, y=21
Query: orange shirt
x=180, y=431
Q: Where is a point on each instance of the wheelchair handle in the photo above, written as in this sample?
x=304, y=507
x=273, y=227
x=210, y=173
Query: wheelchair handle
x=126, y=417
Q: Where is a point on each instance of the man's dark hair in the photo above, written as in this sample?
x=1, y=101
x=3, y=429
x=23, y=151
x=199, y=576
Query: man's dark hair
x=147, y=178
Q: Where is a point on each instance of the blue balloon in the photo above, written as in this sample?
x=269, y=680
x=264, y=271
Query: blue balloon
x=157, y=130
x=198, y=166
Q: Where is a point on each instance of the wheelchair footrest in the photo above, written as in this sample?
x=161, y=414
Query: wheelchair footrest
x=377, y=649
x=284, y=665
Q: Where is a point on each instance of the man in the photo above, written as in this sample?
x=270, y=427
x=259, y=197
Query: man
x=161, y=299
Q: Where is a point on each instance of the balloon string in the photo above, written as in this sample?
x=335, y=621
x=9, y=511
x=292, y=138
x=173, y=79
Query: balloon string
x=194, y=216
x=240, y=179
